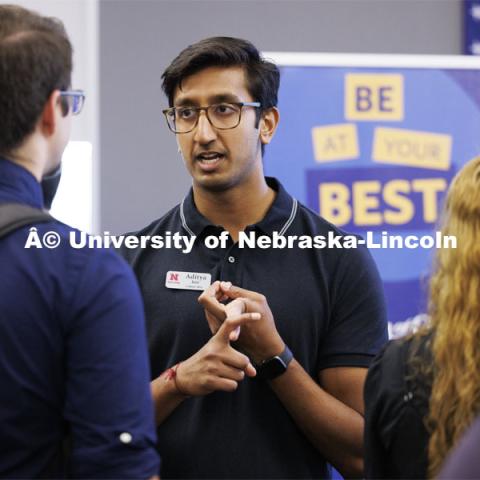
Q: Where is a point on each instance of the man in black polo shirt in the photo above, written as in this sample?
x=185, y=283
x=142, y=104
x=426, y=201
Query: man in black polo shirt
x=324, y=307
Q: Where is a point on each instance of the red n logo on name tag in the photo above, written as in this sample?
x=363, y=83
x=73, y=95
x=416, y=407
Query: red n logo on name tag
x=173, y=277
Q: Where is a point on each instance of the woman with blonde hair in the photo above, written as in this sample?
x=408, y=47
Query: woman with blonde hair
x=423, y=392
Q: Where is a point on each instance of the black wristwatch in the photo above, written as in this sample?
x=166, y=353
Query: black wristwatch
x=275, y=366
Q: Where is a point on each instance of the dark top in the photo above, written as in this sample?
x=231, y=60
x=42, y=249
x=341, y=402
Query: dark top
x=464, y=461
x=72, y=355
x=397, y=394
x=328, y=308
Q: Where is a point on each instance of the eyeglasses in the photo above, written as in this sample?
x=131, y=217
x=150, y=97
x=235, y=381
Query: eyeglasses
x=74, y=100
x=223, y=116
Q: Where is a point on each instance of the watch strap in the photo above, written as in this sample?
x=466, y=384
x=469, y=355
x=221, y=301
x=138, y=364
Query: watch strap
x=275, y=366
x=286, y=356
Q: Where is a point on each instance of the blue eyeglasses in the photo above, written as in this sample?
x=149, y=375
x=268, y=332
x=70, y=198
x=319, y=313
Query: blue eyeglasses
x=74, y=101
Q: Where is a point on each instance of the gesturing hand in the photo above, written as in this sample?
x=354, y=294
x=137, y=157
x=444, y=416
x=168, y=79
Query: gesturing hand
x=217, y=365
x=261, y=339
x=213, y=296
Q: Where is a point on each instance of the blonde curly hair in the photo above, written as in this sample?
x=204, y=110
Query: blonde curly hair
x=454, y=308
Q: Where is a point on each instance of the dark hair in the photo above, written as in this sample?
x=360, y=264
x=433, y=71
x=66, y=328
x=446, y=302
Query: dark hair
x=263, y=77
x=35, y=60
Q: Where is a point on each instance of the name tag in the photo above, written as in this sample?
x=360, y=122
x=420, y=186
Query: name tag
x=188, y=280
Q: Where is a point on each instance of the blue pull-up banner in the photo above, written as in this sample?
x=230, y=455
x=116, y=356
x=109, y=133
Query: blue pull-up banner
x=373, y=149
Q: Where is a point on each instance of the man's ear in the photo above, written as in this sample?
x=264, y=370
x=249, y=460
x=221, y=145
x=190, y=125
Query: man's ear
x=268, y=124
x=50, y=114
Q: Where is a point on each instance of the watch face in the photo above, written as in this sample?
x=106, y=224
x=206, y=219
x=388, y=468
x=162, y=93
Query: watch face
x=273, y=368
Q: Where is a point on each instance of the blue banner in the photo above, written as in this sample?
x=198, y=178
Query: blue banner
x=374, y=150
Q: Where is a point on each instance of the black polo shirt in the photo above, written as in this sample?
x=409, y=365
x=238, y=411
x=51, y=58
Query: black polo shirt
x=328, y=308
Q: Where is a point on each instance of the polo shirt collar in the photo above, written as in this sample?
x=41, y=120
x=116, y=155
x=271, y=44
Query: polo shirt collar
x=278, y=218
x=18, y=185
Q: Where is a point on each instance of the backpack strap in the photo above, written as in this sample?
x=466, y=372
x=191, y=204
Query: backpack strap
x=12, y=217
x=16, y=215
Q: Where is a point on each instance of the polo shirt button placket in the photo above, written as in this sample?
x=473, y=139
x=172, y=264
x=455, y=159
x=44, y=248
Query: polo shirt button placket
x=231, y=259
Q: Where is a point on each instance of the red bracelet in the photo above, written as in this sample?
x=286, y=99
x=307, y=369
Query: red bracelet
x=171, y=374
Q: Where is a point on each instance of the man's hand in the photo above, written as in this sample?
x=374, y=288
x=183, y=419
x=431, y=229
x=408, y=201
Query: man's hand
x=213, y=295
x=260, y=340
x=217, y=365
